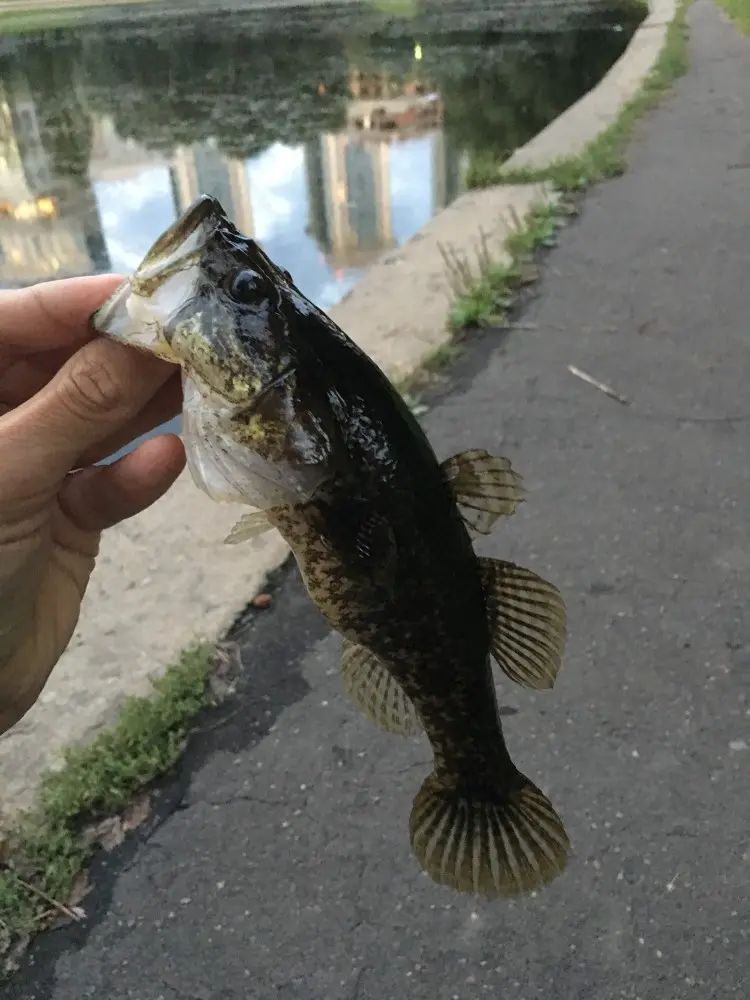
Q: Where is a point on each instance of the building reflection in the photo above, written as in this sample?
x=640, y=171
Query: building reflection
x=194, y=169
x=348, y=172
x=49, y=220
x=202, y=169
x=116, y=159
x=348, y=187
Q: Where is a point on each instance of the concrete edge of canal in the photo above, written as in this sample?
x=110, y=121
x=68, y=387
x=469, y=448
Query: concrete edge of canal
x=574, y=129
x=165, y=579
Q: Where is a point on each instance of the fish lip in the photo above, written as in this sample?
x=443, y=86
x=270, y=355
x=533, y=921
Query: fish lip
x=104, y=321
x=205, y=207
x=101, y=318
x=184, y=238
x=113, y=312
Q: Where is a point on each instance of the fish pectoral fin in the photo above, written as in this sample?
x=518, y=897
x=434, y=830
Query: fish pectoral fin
x=376, y=550
x=485, y=488
x=527, y=622
x=249, y=526
x=355, y=526
x=375, y=691
x=506, y=844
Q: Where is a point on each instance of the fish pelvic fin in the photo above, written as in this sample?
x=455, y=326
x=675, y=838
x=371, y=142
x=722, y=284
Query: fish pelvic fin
x=501, y=844
x=527, y=620
x=249, y=526
x=376, y=693
x=484, y=488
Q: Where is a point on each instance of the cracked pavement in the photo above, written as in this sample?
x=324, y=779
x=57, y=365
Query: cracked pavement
x=276, y=863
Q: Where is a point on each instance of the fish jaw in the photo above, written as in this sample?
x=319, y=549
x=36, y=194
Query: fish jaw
x=130, y=318
x=141, y=309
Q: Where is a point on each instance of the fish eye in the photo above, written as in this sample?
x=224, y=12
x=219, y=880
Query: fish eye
x=246, y=286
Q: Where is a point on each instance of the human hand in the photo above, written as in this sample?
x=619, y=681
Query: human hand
x=67, y=400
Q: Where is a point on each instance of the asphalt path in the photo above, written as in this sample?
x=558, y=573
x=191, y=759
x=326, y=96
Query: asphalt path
x=276, y=864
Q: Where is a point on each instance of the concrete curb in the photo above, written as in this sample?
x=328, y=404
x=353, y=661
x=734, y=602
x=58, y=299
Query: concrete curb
x=570, y=133
x=164, y=578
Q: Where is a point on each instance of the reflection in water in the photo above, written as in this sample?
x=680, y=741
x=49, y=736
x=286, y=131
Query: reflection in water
x=49, y=222
x=329, y=151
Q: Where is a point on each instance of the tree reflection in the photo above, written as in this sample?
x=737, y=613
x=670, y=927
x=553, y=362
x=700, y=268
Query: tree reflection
x=54, y=87
x=497, y=96
x=541, y=81
x=182, y=87
x=53, y=131
x=246, y=93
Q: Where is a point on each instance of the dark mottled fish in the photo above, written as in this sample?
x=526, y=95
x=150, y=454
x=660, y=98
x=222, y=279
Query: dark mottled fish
x=285, y=413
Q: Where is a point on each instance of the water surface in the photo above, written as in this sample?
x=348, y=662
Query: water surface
x=328, y=148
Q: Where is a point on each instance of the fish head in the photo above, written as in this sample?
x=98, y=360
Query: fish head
x=209, y=299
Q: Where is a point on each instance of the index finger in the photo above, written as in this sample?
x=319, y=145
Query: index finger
x=52, y=314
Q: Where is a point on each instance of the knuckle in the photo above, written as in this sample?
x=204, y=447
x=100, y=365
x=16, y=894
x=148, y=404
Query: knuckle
x=92, y=388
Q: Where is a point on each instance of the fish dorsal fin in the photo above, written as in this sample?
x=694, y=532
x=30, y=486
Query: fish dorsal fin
x=527, y=622
x=485, y=487
x=249, y=526
x=375, y=692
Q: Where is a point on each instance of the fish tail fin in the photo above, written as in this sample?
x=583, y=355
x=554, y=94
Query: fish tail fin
x=502, y=842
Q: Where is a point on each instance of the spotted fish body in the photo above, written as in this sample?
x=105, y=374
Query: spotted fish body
x=283, y=412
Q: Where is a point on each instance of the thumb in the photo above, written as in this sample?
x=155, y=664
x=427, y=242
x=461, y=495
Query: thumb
x=99, y=390
x=103, y=495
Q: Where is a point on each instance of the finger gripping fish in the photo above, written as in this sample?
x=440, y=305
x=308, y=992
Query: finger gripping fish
x=284, y=413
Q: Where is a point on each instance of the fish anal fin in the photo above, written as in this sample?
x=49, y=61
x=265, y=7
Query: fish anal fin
x=527, y=622
x=376, y=693
x=505, y=844
x=484, y=487
x=249, y=526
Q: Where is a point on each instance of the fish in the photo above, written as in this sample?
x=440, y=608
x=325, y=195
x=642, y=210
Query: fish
x=286, y=414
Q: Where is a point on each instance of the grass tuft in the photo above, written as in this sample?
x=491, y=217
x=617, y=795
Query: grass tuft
x=739, y=11
x=48, y=850
x=485, y=290
x=19, y=22
x=31, y=18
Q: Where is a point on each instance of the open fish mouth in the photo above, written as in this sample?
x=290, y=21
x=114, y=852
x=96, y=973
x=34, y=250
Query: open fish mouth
x=141, y=308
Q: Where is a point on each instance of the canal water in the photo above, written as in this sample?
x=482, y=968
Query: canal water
x=328, y=147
